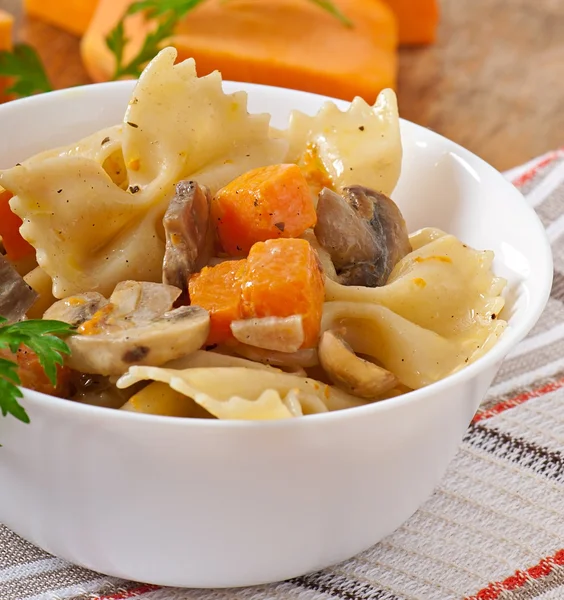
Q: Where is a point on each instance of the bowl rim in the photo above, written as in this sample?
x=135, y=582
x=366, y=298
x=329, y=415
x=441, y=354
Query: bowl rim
x=509, y=339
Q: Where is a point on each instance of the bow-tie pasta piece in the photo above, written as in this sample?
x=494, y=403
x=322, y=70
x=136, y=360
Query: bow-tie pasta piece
x=242, y=393
x=416, y=355
x=97, y=146
x=178, y=124
x=93, y=210
x=89, y=234
x=444, y=286
x=359, y=146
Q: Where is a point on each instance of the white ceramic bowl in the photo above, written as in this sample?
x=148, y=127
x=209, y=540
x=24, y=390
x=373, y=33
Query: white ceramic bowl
x=201, y=503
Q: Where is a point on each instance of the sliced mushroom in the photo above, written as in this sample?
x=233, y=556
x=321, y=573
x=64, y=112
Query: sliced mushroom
x=364, y=233
x=77, y=309
x=306, y=357
x=141, y=301
x=284, y=334
x=351, y=373
x=174, y=334
x=16, y=297
x=189, y=238
x=135, y=327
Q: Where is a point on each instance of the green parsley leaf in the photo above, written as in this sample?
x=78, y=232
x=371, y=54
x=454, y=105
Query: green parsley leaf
x=41, y=336
x=116, y=41
x=166, y=13
x=24, y=65
x=9, y=405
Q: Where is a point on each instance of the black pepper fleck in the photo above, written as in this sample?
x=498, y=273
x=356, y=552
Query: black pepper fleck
x=280, y=226
x=134, y=189
x=59, y=191
x=105, y=140
x=361, y=128
x=132, y=124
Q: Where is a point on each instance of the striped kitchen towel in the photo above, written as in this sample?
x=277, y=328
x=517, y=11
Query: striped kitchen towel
x=493, y=530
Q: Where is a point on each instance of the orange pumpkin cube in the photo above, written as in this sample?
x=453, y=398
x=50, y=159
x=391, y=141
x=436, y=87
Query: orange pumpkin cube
x=16, y=247
x=265, y=203
x=284, y=278
x=218, y=290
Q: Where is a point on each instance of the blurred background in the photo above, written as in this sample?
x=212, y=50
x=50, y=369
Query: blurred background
x=488, y=74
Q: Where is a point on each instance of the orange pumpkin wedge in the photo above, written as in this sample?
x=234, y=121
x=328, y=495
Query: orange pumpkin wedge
x=265, y=203
x=283, y=278
x=218, y=290
x=16, y=247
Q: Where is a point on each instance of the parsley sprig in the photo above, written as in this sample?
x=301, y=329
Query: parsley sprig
x=43, y=337
x=166, y=13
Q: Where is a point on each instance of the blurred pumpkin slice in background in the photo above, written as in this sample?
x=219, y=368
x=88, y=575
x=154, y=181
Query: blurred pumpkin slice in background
x=73, y=16
x=417, y=19
x=287, y=43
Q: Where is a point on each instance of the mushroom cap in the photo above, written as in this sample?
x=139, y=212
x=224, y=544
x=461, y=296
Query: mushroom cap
x=16, y=296
x=364, y=233
x=189, y=239
x=168, y=337
x=351, y=373
x=135, y=326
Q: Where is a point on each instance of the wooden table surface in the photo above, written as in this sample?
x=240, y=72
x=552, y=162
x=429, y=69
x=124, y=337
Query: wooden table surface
x=494, y=81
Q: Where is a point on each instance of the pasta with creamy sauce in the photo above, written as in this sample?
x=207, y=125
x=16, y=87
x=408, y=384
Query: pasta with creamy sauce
x=216, y=267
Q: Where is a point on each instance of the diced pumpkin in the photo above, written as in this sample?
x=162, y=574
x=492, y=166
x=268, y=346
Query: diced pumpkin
x=70, y=15
x=16, y=247
x=287, y=43
x=283, y=278
x=417, y=20
x=6, y=43
x=32, y=375
x=265, y=203
x=218, y=290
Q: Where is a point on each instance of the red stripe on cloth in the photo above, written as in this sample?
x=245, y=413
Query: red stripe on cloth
x=494, y=590
x=530, y=173
x=517, y=400
x=142, y=589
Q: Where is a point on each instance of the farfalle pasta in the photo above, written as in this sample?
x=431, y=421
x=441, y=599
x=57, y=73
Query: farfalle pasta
x=216, y=267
